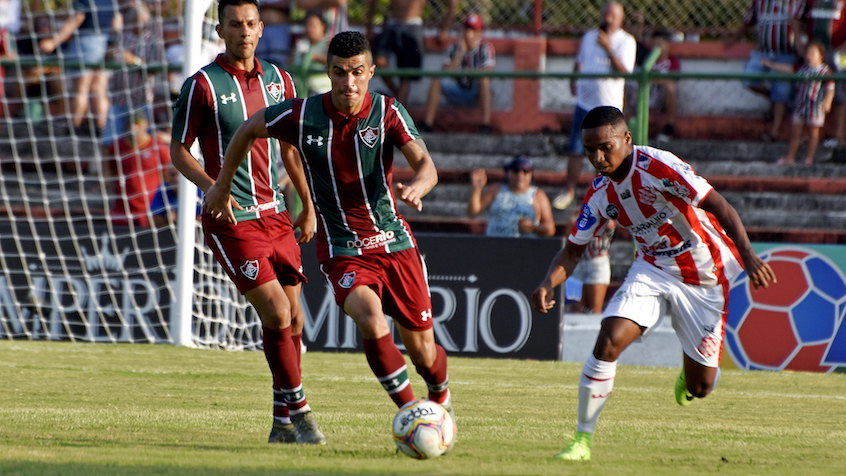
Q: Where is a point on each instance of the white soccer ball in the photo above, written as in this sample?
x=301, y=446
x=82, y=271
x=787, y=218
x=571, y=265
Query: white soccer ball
x=423, y=429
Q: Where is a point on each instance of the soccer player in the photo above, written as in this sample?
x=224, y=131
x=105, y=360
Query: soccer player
x=365, y=247
x=256, y=244
x=690, y=245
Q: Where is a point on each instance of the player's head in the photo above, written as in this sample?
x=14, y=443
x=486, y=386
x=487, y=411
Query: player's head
x=240, y=27
x=350, y=67
x=607, y=140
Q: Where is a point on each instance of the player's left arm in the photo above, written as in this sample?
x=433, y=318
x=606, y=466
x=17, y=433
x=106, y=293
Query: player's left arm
x=425, y=174
x=760, y=273
x=216, y=201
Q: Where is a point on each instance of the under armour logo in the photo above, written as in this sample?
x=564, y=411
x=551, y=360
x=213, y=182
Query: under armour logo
x=426, y=315
x=224, y=99
x=311, y=140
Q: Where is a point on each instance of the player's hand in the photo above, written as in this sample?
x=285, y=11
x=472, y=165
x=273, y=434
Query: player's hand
x=306, y=222
x=410, y=195
x=542, y=299
x=760, y=273
x=478, y=179
x=218, y=203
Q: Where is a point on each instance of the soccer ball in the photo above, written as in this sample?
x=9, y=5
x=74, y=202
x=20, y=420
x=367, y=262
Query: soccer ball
x=791, y=325
x=423, y=429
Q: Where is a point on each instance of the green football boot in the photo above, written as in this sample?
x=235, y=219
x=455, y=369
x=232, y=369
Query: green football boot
x=578, y=450
x=683, y=397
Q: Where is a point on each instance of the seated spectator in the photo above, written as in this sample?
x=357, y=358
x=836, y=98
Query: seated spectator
x=143, y=157
x=310, y=56
x=165, y=203
x=468, y=53
x=275, y=43
x=516, y=208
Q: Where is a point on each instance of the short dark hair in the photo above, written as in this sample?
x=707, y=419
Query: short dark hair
x=603, y=116
x=222, y=4
x=347, y=44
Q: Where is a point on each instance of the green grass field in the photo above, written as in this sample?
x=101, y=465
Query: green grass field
x=138, y=409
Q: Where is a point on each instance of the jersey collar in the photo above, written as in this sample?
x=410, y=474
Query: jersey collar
x=337, y=115
x=257, y=71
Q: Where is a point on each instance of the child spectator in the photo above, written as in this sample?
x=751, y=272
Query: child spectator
x=468, y=53
x=309, y=52
x=811, y=103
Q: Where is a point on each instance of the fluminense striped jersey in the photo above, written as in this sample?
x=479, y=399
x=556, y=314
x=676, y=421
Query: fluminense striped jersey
x=658, y=203
x=773, y=20
x=349, y=165
x=212, y=105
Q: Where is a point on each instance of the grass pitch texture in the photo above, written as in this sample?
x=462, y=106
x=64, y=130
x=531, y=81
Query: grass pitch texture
x=81, y=409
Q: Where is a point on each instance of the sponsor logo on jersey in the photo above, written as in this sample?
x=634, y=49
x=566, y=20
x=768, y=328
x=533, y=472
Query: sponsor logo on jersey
x=310, y=139
x=275, y=90
x=599, y=182
x=654, y=221
x=626, y=194
x=586, y=218
x=612, y=211
x=369, y=135
x=675, y=188
x=667, y=252
x=225, y=99
x=250, y=269
x=646, y=196
x=643, y=160
x=347, y=280
x=374, y=241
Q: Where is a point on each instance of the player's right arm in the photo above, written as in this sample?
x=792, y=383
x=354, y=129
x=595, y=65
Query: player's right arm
x=560, y=268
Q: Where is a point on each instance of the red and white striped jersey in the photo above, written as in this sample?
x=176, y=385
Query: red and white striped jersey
x=658, y=203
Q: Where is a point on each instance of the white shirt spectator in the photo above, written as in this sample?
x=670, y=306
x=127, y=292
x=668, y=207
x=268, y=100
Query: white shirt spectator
x=592, y=58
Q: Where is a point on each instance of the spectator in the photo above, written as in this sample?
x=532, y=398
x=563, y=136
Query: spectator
x=164, y=205
x=812, y=102
x=10, y=24
x=277, y=37
x=402, y=37
x=825, y=21
x=309, y=52
x=777, y=24
x=142, y=158
x=516, y=208
x=86, y=33
x=334, y=13
x=606, y=49
x=592, y=275
x=470, y=52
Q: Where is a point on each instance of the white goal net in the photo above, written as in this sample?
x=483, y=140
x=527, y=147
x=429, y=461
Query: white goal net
x=88, y=251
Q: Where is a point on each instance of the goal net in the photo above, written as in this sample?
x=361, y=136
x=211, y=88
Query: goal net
x=87, y=217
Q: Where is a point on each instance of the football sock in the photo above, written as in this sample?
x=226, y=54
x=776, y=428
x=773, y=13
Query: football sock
x=389, y=367
x=282, y=360
x=594, y=389
x=436, y=377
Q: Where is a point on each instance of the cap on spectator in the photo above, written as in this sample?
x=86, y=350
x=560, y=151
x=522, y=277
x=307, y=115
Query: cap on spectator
x=473, y=21
x=519, y=162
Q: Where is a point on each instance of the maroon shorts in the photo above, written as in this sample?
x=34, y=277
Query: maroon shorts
x=399, y=279
x=254, y=252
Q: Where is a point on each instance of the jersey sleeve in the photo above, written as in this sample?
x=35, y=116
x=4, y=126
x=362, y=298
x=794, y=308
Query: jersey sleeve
x=399, y=126
x=281, y=121
x=587, y=224
x=192, y=107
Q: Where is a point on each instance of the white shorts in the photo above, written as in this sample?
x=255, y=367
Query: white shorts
x=648, y=294
x=594, y=271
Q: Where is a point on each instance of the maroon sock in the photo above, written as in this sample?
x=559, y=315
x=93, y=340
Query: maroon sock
x=436, y=377
x=282, y=360
x=390, y=369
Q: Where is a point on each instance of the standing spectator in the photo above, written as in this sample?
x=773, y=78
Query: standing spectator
x=691, y=245
x=276, y=37
x=142, y=159
x=594, y=270
x=86, y=33
x=470, y=53
x=825, y=21
x=366, y=249
x=778, y=23
x=516, y=207
x=309, y=53
x=255, y=244
x=402, y=37
x=10, y=24
x=606, y=49
x=812, y=102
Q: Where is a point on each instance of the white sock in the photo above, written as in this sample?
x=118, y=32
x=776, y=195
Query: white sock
x=594, y=389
